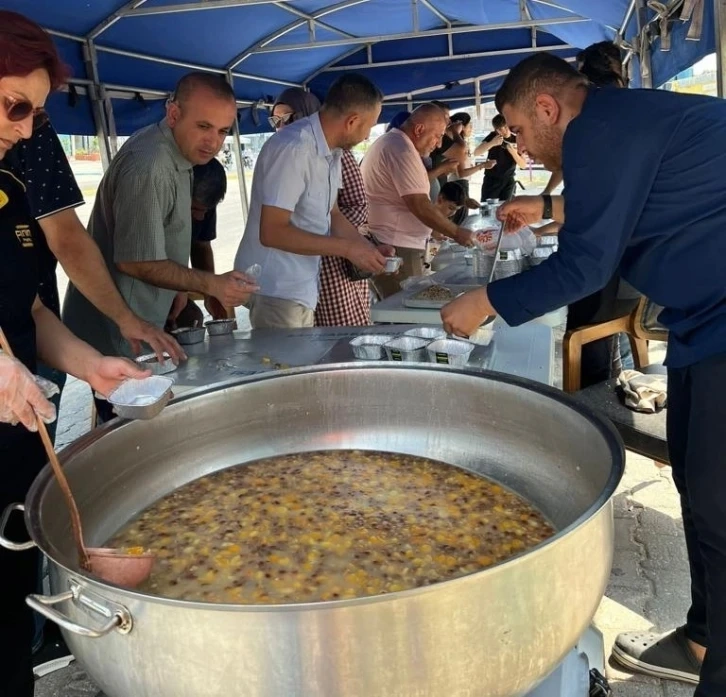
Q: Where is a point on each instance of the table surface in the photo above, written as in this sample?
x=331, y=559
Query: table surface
x=455, y=271
x=526, y=351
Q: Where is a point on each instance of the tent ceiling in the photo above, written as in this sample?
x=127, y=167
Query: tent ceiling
x=413, y=49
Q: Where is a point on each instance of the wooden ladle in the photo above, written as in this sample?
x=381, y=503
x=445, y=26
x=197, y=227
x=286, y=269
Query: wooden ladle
x=112, y=565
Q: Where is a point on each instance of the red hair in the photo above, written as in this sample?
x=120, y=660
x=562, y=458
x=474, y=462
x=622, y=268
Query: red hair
x=25, y=47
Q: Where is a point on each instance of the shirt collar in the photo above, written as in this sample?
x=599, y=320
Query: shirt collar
x=320, y=142
x=180, y=161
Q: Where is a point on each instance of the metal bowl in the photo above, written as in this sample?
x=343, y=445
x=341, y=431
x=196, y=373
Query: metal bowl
x=407, y=348
x=450, y=352
x=187, y=336
x=430, y=333
x=141, y=399
x=151, y=362
x=220, y=327
x=495, y=633
x=369, y=347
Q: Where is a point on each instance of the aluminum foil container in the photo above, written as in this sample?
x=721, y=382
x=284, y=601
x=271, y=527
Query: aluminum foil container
x=393, y=264
x=429, y=333
x=220, y=327
x=141, y=399
x=482, y=336
x=369, y=347
x=540, y=254
x=407, y=348
x=450, y=352
x=548, y=241
x=151, y=362
x=189, y=335
x=508, y=264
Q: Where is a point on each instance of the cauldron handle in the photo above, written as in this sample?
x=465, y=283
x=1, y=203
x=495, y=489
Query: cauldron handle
x=119, y=618
x=9, y=544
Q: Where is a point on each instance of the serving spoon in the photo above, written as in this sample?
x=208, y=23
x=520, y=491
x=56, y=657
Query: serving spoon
x=113, y=565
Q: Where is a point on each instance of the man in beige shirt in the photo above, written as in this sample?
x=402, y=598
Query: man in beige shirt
x=401, y=212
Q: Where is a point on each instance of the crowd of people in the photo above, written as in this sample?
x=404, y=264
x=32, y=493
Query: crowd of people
x=321, y=228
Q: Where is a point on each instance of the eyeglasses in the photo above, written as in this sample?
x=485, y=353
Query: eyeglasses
x=277, y=121
x=20, y=109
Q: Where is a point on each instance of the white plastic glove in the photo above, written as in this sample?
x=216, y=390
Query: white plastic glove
x=20, y=396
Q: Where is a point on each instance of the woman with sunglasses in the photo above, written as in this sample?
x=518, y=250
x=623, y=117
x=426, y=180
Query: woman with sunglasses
x=29, y=69
x=342, y=301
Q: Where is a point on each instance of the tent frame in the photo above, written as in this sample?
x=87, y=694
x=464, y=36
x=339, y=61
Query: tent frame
x=100, y=93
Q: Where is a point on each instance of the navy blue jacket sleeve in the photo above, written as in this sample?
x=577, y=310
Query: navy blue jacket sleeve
x=607, y=182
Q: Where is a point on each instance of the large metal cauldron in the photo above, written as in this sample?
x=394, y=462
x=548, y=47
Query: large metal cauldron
x=491, y=634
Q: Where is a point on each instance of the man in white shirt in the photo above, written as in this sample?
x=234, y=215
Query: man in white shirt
x=294, y=218
x=401, y=212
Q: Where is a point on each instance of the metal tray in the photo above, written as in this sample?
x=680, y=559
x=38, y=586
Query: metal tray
x=424, y=304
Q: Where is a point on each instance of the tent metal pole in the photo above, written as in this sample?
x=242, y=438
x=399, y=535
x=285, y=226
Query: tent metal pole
x=97, y=103
x=646, y=73
x=439, y=59
x=719, y=13
x=467, y=29
x=239, y=160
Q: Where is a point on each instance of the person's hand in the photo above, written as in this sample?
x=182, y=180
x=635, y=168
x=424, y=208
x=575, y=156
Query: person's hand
x=464, y=315
x=447, y=167
x=490, y=164
x=232, y=288
x=464, y=237
x=366, y=256
x=521, y=211
x=106, y=373
x=214, y=307
x=472, y=204
x=387, y=250
x=135, y=330
x=496, y=141
x=20, y=397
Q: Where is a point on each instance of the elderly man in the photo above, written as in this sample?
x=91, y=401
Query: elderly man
x=294, y=218
x=141, y=220
x=630, y=218
x=401, y=211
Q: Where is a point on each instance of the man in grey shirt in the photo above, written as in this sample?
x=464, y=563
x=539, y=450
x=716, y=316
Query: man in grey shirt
x=141, y=219
x=294, y=218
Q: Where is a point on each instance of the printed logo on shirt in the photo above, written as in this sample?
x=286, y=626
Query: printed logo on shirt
x=24, y=235
x=4, y=199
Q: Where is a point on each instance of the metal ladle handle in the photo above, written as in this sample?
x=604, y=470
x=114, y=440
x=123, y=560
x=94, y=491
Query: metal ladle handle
x=59, y=474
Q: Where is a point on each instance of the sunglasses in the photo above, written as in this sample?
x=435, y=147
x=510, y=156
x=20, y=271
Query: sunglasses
x=19, y=109
x=277, y=121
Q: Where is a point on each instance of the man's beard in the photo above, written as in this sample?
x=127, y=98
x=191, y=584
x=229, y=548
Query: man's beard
x=548, y=146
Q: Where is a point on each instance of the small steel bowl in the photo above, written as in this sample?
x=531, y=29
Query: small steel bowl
x=450, y=352
x=407, y=348
x=393, y=264
x=428, y=333
x=151, y=362
x=220, y=327
x=369, y=347
x=187, y=336
x=141, y=399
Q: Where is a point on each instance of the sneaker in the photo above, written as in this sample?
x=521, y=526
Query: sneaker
x=665, y=656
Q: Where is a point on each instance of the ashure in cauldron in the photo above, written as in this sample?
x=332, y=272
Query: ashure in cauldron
x=495, y=633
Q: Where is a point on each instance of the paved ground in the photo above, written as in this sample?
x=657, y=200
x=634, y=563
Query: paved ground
x=649, y=585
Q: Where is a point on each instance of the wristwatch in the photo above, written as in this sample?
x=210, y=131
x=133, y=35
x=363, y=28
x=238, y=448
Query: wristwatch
x=547, y=209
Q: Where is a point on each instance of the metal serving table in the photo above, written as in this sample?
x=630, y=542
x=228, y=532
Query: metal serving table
x=526, y=351
x=456, y=271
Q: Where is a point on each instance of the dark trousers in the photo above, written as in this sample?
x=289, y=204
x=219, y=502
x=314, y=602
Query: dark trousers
x=497, y=188
x=696, y=421
x=601, y=306
x=18, y=570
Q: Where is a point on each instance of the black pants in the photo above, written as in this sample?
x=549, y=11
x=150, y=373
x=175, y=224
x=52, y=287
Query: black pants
x=18, y=570
x=497, y=188
x=601, y=306
x=697, y=446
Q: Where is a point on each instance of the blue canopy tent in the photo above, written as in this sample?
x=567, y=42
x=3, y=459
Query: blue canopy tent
x=126, y=55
